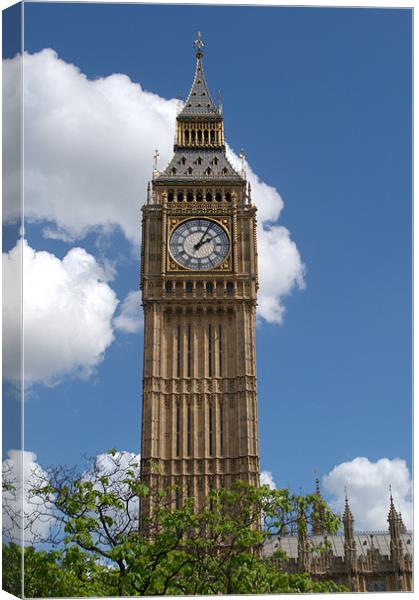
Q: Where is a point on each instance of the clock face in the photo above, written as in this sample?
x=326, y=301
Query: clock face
x=199, y=244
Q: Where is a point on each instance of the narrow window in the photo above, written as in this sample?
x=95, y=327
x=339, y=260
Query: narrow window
x=210, y=287
x=208, y=197
x=187, y=136
x=177, y=429
x=212, y=136
x=210, y=428
x=168, y=286
x=177, y=499
x=199, y=135
x=178, y=351
x=209, y=351
x=183, y=160
x=180, y=197
x=199, y=160
x=206, y=136
x=189, y=196
x=170, y=197
x=189, y=287
x=189, y=431
x=218, y=197
x=228, y=197
x=230, y=288
x=220, y=350
x=193, y=135
x=199, y=197
x=221, y=430
x=189, y=350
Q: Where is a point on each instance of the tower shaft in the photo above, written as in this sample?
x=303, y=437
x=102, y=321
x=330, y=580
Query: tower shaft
x=199, y=284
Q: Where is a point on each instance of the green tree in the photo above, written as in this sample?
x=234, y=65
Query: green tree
x=213, y=549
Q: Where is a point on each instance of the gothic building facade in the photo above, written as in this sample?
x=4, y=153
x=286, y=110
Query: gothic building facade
x=199, y=283
x=363, y=561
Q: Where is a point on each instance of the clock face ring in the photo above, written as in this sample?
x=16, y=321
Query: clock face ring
x=199, y=244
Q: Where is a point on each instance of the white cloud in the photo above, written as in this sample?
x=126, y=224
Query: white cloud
x=368, y=490
x=67, y=311
x=130, y=317
x=88, y=158
x=27, y=517
x=266, y=478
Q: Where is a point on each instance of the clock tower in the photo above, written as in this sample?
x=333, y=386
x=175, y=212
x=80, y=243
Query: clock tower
x=199, y=283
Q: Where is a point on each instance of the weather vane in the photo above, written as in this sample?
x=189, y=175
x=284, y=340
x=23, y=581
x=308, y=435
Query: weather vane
x=199, y=45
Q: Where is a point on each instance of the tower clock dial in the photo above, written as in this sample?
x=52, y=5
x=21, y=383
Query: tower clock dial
x=199, y=244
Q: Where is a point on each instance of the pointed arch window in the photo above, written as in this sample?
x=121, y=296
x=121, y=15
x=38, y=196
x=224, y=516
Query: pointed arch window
x=180, y=197
x=188, y=425
x=190, y=170
x=170, y=197
x=210, y=432
x=177, y=429
x=199, y=161
x=221, y=430
x=210, y=350
x=208, y=197
x=199, y=197
x=220, y=350
x=178, y=352
x=189, y=196
x=189, y=349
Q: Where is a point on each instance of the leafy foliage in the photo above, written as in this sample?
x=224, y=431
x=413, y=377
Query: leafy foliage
x=100, y=547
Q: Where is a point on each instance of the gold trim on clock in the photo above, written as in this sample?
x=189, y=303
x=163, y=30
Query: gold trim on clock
x=225, y=263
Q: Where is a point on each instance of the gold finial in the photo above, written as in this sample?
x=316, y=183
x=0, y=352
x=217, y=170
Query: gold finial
x=242, y=157
x=156, y=158
x=199, y=45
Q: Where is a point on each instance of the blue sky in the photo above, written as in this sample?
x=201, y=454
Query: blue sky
x=320, y=99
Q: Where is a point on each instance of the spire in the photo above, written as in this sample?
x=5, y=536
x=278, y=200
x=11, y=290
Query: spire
x=317, y=521
x=396, y=546
x=392, y=513
x=199, y=101
x=347, y=513
x=349, y=545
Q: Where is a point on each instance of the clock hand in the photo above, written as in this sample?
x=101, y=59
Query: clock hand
x=199, y=244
